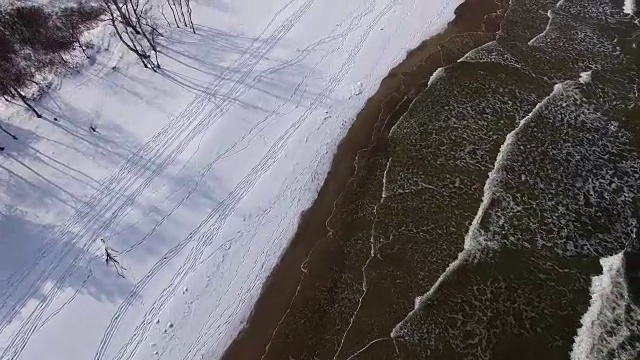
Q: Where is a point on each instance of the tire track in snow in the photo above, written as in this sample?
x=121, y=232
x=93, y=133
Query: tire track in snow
x=217, y=218
x=354, y=24
x=343, y=71
x=136, y=157
x=208, y=329
x=125, y=169
x=196, y=348
x=224, y=208
x=26, y=330
x=134, y=160
x=258, y=127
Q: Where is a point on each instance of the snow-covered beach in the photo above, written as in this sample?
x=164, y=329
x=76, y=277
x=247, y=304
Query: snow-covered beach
x=304, y=309
x=196, y=174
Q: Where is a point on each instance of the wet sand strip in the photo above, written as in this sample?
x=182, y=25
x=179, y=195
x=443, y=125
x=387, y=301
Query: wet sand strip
x=475, y=23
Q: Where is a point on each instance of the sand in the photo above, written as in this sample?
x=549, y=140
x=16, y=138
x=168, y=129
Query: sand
x=301, y=312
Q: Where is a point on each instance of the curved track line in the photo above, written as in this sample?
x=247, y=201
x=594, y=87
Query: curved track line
x=217, y=218
x=28, y=329
x=105, y=190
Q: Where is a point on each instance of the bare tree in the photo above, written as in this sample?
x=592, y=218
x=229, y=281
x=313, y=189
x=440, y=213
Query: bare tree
x=164, y=15
x=155, y=33
x=180, y=11
x=33, y=40
x=14, y=92
x=124, y=17
x=75, y=36
x=110, y=258
x=189, y=15
x=134, y=29
x=175, y=18
x=130, y=42
x=149, y=29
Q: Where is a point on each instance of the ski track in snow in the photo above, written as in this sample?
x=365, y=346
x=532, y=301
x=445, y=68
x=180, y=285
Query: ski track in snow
x=113, y=200
x=127, y=175
x=157, y=146
x=162, y=141
x=217, y=218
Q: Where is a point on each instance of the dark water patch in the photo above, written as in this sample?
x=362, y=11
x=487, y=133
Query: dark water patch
x=577, y=36
x=512, y=304
x=560, y=197
x=632, y=275
x=564, y=192
x=579, y=195
x=524, y=20
x=433, y=180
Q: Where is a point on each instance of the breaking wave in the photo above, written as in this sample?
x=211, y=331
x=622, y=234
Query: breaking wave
x=611, y=327
x=550, y=111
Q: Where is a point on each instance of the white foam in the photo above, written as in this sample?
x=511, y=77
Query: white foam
x=543, y=34
x=436, y=75
x=420, y=301
x=630, y=7
x=395, y=126
x=474, y=241
x=491, y=52
x=384, y=180
x=585, y=77
x=611, y=317
x=416, y=302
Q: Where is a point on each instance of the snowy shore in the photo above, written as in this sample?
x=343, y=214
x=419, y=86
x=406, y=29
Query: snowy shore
x=196, y=174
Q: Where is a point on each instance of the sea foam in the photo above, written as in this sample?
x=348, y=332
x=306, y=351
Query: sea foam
x=612, y=320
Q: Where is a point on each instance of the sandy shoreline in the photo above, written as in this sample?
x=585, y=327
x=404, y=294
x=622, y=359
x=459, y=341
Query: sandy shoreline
x=366, y=135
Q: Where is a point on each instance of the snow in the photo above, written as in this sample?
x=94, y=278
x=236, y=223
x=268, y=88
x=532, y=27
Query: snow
x=196, y=176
